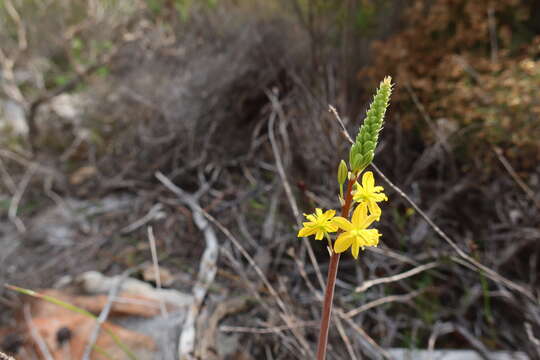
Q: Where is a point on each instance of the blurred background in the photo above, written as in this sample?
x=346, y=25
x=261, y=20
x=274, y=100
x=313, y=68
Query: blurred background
x=228, y=101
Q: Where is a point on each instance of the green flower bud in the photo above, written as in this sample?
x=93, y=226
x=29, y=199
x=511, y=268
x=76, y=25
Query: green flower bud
x=352, y=152
x=369, y=145
x=366, y=160
x=356, y=161
x=362, y=162
x=362, y=151
x=342, y=172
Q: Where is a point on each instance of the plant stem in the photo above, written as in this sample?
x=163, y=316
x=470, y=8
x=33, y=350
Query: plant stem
x=331, y=282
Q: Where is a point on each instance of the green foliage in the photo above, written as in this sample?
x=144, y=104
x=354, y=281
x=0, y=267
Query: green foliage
x=428, y=304
x=103, y=71
x=182, y=7
x=410, y=340
x=365, y=16
x=155, y=5
x=62, y=38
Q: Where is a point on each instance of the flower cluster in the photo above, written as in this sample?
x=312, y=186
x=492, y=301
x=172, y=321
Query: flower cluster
x=354, y=233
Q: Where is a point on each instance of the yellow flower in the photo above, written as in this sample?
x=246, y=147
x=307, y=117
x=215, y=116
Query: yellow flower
x=356, y=235
x=369, y=193
x=319, y=224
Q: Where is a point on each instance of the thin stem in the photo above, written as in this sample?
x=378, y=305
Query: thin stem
x=331, y=283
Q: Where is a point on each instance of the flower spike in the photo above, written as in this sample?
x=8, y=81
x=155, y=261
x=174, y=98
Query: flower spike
x=363, y=150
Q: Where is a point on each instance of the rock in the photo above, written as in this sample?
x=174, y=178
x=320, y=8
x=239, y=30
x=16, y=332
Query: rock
x=13, y=118
x=407, y=354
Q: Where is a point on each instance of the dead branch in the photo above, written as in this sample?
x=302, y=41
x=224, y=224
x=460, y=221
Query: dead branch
x=382, y=301
x=36, y=336
x=5, y=357
x=384, y=280
x=207, y=268
x=286, y=315
x=508, y=167
x=113, y=292
x=209, y=337
x=16, y=199
x=157, y=273
x=279, y=164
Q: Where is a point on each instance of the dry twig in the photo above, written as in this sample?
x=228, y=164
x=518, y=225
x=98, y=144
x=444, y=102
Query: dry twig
x=207, y=268
x=367, y=284
x=526, y=189
x=156, y=212
x=157, y=274
x=533, y=339
x=286, y=315
x=36, y=336
x=21, y=29
x=288, y=191
x=345, y=338
x=5, y=357
x=103, y=315
x=382, y=301
x=373, y=348
x=209, y=338
x=267, y=330
x=16, y=199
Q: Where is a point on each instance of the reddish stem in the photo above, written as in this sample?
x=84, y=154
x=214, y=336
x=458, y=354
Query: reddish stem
x=331, y=283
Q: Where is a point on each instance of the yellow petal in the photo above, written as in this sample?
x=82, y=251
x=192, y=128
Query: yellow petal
x=360, y=192
x=329, y=214
x=330, y=227
x=374, y=209
x=370, y=237
x=365, y=222
x=318, y=212
x=320, y=235
x=370, y=219
x=343, y=242
x=342, y=223
x=374, y=236
x=379, y=197
x=359, y=215
x=378, y=189
x=355, y=249
x=360, y=195
x=368, y=181
x=307, y=231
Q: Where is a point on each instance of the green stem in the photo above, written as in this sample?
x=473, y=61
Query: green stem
x=331, y=283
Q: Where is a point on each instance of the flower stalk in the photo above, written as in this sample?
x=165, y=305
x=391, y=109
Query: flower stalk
x=331, y=282
x=355, y=232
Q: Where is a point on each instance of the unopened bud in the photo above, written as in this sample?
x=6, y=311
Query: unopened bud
x=342, y=172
